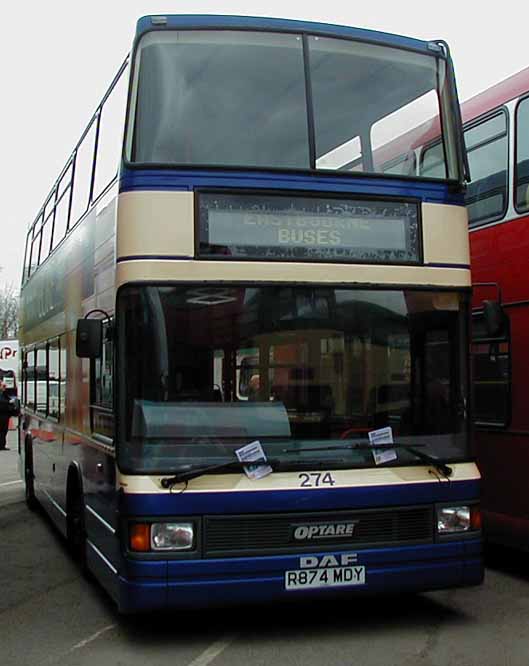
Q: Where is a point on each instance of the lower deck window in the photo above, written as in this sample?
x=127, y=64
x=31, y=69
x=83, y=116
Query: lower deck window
x=491, y=366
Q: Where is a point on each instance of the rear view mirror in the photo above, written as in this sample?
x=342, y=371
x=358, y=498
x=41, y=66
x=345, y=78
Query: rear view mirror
x=494, y=318
x=89, y=339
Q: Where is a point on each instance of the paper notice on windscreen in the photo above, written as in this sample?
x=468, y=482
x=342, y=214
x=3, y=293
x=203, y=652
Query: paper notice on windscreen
x=254, y=460
x=382, y=437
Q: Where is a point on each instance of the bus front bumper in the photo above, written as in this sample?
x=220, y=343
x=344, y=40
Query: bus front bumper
x=218, y=582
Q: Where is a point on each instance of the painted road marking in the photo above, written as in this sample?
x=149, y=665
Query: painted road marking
x=10, y=483
x=212, y=651
x=91, y=638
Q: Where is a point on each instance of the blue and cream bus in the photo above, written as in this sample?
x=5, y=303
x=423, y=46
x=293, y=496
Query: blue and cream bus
x=244, y=322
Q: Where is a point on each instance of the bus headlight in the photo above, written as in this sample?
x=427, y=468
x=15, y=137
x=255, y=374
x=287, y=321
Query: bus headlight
x=452, y=519
x=172, y=536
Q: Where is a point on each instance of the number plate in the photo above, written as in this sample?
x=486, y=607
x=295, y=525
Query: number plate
x=328, y=577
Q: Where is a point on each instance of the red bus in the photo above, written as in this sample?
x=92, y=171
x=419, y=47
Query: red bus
x=496, y=125
x=496, y=131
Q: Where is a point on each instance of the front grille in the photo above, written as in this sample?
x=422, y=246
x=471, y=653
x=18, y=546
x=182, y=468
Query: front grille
x=266, y=534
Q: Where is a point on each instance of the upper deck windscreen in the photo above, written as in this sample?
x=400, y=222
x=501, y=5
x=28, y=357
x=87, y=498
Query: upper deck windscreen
x=279, y=100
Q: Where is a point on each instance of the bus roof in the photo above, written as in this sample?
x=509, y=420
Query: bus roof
x=206, y=21
x=499, y=94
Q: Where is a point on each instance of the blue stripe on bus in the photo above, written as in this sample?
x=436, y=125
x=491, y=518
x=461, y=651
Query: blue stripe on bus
x=188, y=180
x=465, y=267
x=318, y=499
x=253, y=23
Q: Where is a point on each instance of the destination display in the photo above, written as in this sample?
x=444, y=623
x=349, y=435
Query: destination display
x=268, y=227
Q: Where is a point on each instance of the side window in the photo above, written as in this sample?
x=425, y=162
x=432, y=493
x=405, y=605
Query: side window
x=30, y=380
x=398, y=124
x=63, y=366
x=112, y=121
x=491, y=365
x=433, y=161
x=38, y=246
x=23, y=376
x=35, y=247
x=41, y=376
x=46, y=233
x=83, y=170
x=102, y=391
x=521, y=176
x=27, y=258
x=487, y=147
x=53, y=379
x=246, y=368
x=403, y=165
x=62, y=207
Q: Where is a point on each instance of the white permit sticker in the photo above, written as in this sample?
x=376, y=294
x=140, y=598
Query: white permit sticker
x=254, y=460
x=382, y=437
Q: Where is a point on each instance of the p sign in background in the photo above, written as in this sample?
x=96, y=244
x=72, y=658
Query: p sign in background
x=8, y=353
x=9, y=356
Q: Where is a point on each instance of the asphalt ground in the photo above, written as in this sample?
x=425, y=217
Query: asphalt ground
x=50, y=614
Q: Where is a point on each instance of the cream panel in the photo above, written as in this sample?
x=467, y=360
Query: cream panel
x=350, y=478
x=155, y=223
x=445, y=234
x=237, y=271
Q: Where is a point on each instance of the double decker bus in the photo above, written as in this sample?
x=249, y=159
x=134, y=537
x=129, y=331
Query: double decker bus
x=258, y=335
x=497, y=138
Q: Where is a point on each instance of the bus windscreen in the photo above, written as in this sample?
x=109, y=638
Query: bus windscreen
x=266, y=100
x=207, y=369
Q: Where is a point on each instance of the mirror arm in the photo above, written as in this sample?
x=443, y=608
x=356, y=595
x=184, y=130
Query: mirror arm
x=89, y=335
x=103, y=312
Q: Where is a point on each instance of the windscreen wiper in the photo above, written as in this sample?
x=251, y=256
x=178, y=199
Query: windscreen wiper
x=439, y=465
x=195, y=472
x=442, y=467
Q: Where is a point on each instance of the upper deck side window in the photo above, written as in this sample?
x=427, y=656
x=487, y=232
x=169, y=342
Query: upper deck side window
x=89, y=171
x=403, y=165
x=264, y=100
x=487, y=146
x=432, y=160
x=521, y=176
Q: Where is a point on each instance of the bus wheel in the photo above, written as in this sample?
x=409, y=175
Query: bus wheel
x=75, y=525
x=31, y=500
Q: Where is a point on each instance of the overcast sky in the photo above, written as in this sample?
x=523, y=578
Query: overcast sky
x=58, y=58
